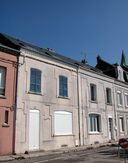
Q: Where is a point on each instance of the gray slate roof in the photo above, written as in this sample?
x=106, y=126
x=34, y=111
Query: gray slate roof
x=18, y=44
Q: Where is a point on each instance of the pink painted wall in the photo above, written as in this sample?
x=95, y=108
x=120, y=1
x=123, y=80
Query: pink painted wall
x=6, y=103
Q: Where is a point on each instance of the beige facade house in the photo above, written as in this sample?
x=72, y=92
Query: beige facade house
x=47, y=106
x=97, y=106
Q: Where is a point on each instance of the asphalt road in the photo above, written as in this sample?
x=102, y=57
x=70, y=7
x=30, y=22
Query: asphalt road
x=98, y=155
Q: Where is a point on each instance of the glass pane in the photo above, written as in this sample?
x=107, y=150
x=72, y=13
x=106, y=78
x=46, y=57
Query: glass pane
x=2, y=80
x=108, y=94
x=63, y=86
x=94, y=123
x=93, y=92
x=35, y=80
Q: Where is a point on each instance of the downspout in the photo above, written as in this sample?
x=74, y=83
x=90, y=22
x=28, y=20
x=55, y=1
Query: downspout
x=78, y=105
x=15, y=106
x=115, y=114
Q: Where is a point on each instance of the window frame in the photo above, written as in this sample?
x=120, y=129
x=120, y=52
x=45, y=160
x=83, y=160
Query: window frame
x=119, y=98
x=94, y=123
x=37, y=88
x=6, y=117
x=126, y=99
x=121, y=124
x=3, y=88
x=60, y=115
x=108, y=96
x=93, y=92
x=63, y=86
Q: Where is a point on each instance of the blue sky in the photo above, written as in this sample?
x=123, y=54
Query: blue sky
x=74, y=28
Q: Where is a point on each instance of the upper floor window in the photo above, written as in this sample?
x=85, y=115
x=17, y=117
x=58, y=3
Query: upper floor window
x=2, y=80
x=126, y=99
x=93, y=92
x=95, y=122
x=108, y=96
x=119, y=98
x=63, y=86
x=35, y=80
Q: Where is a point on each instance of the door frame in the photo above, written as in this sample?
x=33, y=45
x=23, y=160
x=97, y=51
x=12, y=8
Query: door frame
x=110, y=133
x=34, y=111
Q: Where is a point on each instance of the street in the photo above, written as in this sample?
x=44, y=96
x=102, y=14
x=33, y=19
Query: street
x=98, y=155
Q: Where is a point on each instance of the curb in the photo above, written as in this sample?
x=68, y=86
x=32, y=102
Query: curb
x=58, y=151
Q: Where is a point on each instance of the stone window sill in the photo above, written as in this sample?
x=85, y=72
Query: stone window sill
x=5, y=125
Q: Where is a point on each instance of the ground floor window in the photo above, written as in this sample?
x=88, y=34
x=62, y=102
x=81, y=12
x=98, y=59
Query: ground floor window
x=63, y=122
x=95, y=122
x=121, y=124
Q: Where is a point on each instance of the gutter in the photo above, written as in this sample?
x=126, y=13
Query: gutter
x=78, y=91
x=15, y=107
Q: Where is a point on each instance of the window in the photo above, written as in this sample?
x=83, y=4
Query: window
x=2, y=80
x=63, y=86
x=119, y=98
x=119, y=75
x=121, y=124
x=35, y=80
x=63, y=123
x=126, y=99
x=6, y=116
x=108, y=96
x=95, y=122
x=93, y=92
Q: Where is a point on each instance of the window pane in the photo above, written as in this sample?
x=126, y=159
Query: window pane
x=6, y=116
x=35, y=80
x=93, y=92
x=63, y=86
x=121, y=123
x=2, y=80
x=108, y=95
x=94, y=122
x=126, y=99
x=119, y=98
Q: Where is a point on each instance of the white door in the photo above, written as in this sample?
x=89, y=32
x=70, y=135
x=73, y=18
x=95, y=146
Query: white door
x=34, y=130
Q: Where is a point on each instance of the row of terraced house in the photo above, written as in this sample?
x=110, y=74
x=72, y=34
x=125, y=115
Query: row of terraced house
x=49, y=101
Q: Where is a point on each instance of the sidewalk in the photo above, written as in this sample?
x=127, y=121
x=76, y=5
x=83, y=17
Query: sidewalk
x=58, y=151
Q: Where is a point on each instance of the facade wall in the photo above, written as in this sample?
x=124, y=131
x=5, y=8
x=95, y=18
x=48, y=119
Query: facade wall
x=7, y=103
x=47, y=102
x=84, y=111
x=98, y=107
x=121, y=109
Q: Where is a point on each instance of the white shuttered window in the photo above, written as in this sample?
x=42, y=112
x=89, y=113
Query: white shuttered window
x=63, y=122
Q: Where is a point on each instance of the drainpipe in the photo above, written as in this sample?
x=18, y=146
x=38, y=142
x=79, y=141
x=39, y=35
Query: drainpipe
x=115, y=114
x=79, y=121
x=15, y=106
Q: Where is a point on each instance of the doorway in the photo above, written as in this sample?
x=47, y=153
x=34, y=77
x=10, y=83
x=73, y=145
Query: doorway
x=34, y=130
x=110, y=126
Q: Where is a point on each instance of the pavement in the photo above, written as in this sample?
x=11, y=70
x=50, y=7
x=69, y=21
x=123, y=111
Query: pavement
x=49, y=152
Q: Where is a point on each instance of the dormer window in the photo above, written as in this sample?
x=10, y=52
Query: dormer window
x=120, y=73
